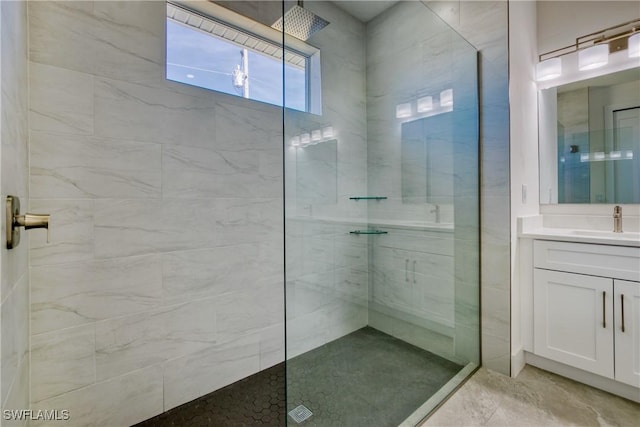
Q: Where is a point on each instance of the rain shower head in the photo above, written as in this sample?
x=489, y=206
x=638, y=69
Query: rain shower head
x=300, y=23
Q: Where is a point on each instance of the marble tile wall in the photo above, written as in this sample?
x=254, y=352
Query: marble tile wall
x=163, y=278
x=484, y=24
x=327, y=268
x=14, y=287
x=411, y=53
x=165, y=265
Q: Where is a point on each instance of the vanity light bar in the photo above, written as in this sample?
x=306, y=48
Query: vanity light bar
x=593, y=50
x=600, y=156
x=313, y=137
x=426, y=106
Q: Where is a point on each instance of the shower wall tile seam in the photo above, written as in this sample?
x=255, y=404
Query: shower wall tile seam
x=96, y=382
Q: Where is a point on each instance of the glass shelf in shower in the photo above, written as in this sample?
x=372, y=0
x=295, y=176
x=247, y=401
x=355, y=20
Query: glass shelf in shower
x=368, y=232
x=368, y=198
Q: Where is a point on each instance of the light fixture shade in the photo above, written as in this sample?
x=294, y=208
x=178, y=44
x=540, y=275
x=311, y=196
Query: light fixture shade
x=305, y=139
x=327, y=132
x=425, y=104
x=316, y=135
x=593, y=57
x=403, y=110
x=634, y=46
x=446, y=98
x=548, y=69
x=295, y=141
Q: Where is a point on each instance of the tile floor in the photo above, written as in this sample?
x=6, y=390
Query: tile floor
x=535, y=398
x=258, y=400
x=364, y=379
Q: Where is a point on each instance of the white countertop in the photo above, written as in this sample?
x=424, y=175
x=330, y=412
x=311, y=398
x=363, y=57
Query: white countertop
x=382, y=223
x=531, y=227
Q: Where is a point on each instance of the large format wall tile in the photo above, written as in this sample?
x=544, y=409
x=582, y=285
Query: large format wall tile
x=62, y=361
x=190, y=172
x=67, y=166
x=97, y=40
x=166, y=221
x=71, y=229
x=72, y=294
x=192, y=376
x=129, y=343
x=15, y=341
x=60, y=100
x=14, y=171
x=125, y=400
x=129, y=399
x=153, y=113
x=191, y=274
x=18, y=395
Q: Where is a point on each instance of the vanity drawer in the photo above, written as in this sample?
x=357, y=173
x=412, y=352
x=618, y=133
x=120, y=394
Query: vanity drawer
x=618, y=262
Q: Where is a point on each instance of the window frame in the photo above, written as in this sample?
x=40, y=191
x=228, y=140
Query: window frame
x=226, y=17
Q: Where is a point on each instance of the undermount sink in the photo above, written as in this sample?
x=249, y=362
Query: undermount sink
x=607, y=234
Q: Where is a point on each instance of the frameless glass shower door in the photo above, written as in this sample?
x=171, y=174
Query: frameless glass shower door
x=381, y=215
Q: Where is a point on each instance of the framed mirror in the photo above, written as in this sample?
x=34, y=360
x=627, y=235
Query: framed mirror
x=589, y=139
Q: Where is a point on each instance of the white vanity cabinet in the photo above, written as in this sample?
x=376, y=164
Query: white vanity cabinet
x=627, y=342
x=414, y=276
x=579, y=294
x=573, y=320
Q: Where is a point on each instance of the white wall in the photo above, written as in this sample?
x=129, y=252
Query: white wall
x=524, y=146
x=559, y=23
x=14, y=291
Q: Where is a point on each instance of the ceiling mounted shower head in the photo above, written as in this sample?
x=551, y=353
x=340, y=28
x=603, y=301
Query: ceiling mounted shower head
x=300, y=23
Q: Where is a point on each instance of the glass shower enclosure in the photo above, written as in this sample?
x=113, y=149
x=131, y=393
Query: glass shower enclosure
x=381, y=215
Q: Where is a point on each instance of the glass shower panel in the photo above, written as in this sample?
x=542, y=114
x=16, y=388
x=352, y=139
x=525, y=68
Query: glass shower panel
x=381, y=218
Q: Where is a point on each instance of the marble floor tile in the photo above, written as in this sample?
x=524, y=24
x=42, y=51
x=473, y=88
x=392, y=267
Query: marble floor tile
x=534, y=398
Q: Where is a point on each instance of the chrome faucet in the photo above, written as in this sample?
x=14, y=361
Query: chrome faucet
x=617, y=219
x=436, y=210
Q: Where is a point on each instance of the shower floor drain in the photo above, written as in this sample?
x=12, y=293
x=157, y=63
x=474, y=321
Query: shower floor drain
x=300, y=414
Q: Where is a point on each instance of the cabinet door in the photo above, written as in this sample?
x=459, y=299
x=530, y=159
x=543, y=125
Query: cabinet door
x=627, y=300
x=573, y=320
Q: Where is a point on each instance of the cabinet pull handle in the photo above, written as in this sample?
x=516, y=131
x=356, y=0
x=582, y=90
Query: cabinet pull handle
x=604, y=313
x=414, y=271
x=406, y=270
x=622, y=309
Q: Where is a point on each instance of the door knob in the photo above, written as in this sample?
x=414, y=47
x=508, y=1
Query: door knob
x=29, y=221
